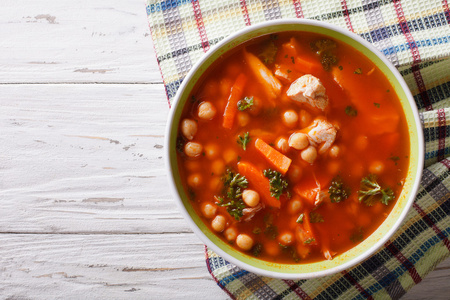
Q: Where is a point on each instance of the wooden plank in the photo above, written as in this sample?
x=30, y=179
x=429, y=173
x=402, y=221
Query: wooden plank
x=84, y=158
x=60, y=266
x=435, y=286
x=76, y=42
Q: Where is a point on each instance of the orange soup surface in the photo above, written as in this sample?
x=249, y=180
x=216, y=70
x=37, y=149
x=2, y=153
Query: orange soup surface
x=293, y=148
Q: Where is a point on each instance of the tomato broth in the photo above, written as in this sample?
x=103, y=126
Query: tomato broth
x=293, y=147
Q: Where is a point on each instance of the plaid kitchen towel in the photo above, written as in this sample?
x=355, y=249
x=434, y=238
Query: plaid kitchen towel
x=415, y=37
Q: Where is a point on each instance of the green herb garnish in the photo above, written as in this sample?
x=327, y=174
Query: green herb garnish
x=350, y=111
x=394, y=159
x=300, y=218
x=257, y=249
x=371, y=191
x=180, y=144
x=309, y=241
x=326, y=50
x=277, y=184
x=338, y=191
x=315, y=217
x=357, y=236
x=257, y=230
x=271, y=231
x=243, y=141
x=269, y=52
x=376, y=104
x=358, y=71
x=234, y=185
x=245, y=103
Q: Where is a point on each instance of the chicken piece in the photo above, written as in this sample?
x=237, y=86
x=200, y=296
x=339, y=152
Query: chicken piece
x=323, y=134
x=309, y=89
x=250, y=212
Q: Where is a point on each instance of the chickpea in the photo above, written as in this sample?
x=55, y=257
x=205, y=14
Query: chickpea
x=334, y=151
x=305, y=118
x=218, y=223
x=282, y=145
x=194, y=180
x=357, y=170
x=290, y=118
x=193, y=149
x=208, y=210
x=298, y=140
x=295, y=173
x=333, y=167
x=192, y=165
x=309, y=154
x=188, y=128
x=286, y=238
x=244, y=242
x=376, y=167
x=206, y=110
x=230, y=233
x=215, y=184
x=294, y=205
x=229, y=155
x=250, y=197
x=256, y=107
x=272, y=248
x=210, y=88
x=361, y=142
x=218, y=166
x=243, y=119
x=211, y=151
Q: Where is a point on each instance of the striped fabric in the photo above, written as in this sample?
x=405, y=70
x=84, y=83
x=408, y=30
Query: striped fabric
x=415, y=37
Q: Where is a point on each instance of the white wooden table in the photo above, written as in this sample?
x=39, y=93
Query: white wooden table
x=85, y=211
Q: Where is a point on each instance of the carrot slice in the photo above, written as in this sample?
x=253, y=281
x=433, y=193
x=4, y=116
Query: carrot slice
x=278, y=160
x=305, y=232
x=269, y=82
x=259, y=182
x=235, y=95
x=307, y=66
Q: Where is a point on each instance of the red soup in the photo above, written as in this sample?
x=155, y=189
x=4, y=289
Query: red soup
x=293, y=148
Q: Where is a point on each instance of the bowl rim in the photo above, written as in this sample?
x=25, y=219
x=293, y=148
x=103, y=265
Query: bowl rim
x=414, y=187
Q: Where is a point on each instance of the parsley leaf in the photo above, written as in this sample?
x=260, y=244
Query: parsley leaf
x=180, y=144
x=338, y=191
x=271, y=231
x=269, y=52
x=371, y=190
x=394, y=159
x=243, y=141
x=357, y=236
x=234, y=184
x=350, y=111
x=325, y=48
x=358, y=71
x=315, y=217
x=257, y=249
x=309, y=241
x=277, y=184
x=245, y=103
x=377, y=104
x=300, y=218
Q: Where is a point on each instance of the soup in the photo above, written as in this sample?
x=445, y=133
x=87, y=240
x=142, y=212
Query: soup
x=293, y=147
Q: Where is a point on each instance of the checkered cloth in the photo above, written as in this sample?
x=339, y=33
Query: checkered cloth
x=415, y=36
